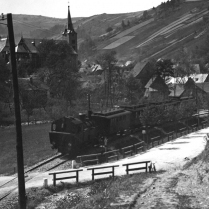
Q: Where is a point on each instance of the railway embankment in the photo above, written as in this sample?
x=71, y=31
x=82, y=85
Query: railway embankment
x=181, y=165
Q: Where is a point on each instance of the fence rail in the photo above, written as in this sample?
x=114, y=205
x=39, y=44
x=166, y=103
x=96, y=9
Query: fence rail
x=63, y=178
x=111, y=155
x=103, y=173
x=136, y=168
x=128, y=150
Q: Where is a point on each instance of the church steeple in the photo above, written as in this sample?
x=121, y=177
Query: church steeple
x=70, y=32
x=70, y=24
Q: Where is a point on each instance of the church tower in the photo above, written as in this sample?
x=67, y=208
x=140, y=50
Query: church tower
x=72, y=35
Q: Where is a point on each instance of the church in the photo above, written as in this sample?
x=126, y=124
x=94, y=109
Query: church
x=26, y=48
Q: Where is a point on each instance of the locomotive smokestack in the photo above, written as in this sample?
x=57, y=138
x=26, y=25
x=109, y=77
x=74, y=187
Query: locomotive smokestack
x=82, y=116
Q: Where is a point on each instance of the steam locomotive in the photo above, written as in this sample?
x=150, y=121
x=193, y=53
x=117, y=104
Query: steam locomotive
x=70, y=135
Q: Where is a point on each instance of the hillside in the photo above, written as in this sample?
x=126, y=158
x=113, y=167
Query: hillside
x=154, y=38
x=34, y=26
x=159, y=34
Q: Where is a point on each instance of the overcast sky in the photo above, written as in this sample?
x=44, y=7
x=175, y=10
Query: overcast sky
x=78, y=8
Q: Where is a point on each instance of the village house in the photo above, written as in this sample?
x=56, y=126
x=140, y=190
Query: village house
x=142, y=71
x=156, y=88
x=4, y=48
x=27, y=48
x=189, y=89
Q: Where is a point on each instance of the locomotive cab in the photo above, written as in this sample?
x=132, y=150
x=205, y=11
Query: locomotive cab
x=69, y=134
x=65, y=134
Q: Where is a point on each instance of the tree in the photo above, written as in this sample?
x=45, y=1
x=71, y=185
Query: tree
x=87, y=47
x=59, y=69
x=134, y=87
x=184, y=66
x=4, y=80
x=123, y=25
x=164, y=68
x=145, y=15
x=109, y=29
x=30, y=101
x=128, y=23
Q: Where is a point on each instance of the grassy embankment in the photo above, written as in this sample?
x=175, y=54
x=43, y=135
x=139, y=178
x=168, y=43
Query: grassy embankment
x=36, y=146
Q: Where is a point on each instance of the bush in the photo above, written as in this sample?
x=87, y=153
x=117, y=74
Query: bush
x=109, y=29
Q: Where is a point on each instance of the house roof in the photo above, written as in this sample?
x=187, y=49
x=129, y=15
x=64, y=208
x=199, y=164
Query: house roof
x=128, y=63
x=96, y=68
x=198, y=78
x=203, y=86
x=138, y=68
x=156, y=83
x=150, y=82
x=4, y=45
x=29, y=45
x=32, y=44
x=20, y=49
x=177, y=90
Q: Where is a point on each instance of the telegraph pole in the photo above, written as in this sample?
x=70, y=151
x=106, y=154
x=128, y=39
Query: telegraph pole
x=19, y=147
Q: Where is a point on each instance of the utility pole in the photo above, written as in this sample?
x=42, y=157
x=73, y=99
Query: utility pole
x=19, y=147
x=197, y=106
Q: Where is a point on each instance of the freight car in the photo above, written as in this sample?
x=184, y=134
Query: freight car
x=69, y=135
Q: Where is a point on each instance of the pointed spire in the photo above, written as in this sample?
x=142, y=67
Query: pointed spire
x=70, y=24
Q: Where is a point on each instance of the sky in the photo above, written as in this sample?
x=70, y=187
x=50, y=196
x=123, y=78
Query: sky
x=78, y=8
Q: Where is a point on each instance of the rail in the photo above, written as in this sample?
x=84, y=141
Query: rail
x=62, y=178
x=127, y=150
x=194, y=127
x=136, y=168
x=155, y=141
x=204, y=123
x=182, y=131
x=139, y=147
x=103, y=173
x=111, y=155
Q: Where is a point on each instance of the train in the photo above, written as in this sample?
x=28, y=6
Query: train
x=69, y=135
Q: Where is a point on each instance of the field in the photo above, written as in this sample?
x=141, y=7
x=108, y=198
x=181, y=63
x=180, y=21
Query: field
x=173, y=27
x=132, y=29
x=119, y=42
x=36, y=146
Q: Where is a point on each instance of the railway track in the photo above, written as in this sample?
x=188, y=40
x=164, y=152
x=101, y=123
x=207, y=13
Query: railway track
x=10, y=186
